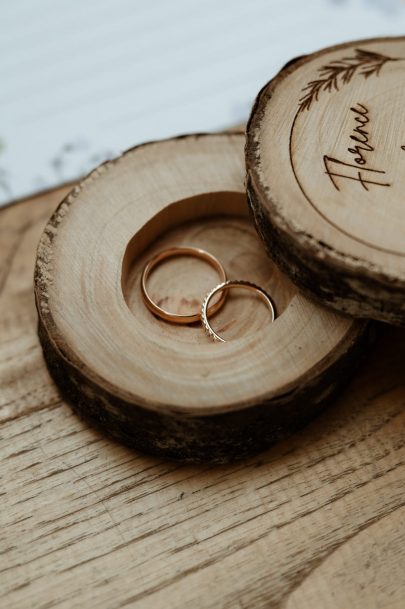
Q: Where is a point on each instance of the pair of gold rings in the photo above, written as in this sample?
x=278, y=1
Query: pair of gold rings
x=207, y=310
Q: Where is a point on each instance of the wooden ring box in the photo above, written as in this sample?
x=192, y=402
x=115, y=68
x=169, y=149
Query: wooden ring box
x=163, y=388
x=325, y=161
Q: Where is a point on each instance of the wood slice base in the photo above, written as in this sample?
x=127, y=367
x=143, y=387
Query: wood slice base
x=325, y=159
x=169, y=389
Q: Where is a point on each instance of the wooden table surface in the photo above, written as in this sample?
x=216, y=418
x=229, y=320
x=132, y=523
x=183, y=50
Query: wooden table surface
x=316, y=522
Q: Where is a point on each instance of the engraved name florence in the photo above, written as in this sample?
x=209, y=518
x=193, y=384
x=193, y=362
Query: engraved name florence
x=344, y=140
x=332, y=77
x=358, y=168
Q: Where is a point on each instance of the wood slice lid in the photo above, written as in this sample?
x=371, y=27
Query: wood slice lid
x=326, y=175
x=164, y=388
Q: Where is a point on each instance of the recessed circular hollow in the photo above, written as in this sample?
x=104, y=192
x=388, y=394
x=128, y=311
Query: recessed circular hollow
x=225, y=287
x=160, y=387
x=171, y=253
x=217, y=222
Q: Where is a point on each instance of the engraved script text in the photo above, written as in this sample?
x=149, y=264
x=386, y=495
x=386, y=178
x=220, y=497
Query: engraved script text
x=358, y=170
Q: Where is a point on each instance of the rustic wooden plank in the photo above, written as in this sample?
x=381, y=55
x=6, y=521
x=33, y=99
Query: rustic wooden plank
x=317, y=521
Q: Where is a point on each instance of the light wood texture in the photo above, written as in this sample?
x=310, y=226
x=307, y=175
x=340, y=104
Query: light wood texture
x=165, y=388
x=315, y=522
x=325, y=162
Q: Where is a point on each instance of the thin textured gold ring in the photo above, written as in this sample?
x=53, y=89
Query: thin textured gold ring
x=170, y=253
x=224, y=287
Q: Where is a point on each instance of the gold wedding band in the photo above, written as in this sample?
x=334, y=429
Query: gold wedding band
x=170, y=253
x=223, y=287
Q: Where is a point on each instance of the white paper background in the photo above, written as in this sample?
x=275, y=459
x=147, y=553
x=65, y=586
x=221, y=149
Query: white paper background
x=81, y=80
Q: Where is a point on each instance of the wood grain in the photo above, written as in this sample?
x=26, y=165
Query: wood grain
x=325, y=162
x=315, y=522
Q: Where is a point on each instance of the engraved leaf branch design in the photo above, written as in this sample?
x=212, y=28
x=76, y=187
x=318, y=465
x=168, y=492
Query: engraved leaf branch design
x=340, y=72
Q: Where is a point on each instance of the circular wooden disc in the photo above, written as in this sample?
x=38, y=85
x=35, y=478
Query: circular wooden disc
x=326, y=175
x=168, y=388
